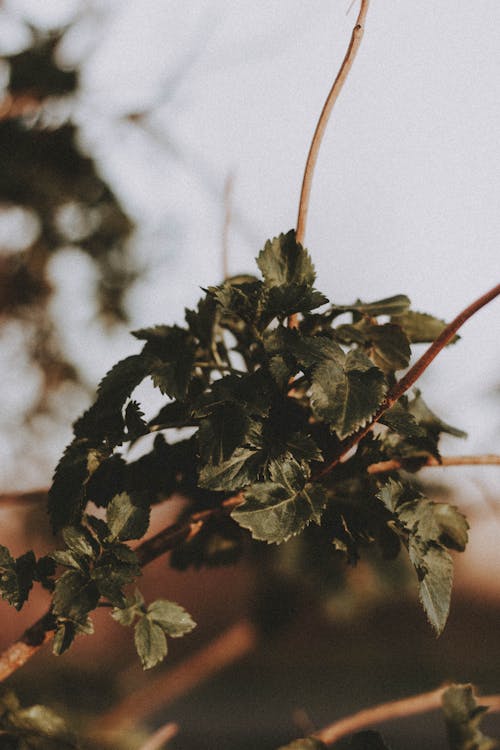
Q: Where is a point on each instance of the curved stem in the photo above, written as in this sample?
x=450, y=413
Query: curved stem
x=356, y=36
x=394, y=464
x=411, y=376
x=417, y=704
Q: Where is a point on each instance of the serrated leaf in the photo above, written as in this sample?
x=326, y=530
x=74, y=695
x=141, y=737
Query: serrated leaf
x=434, y=568
x=284, y=261
x=150, y=642
x=282, y=301
x=79, y=541
x=395, y=305
x=308, y=743
x=242, y=300
x=132, y=607
x=113, y=571
x=438, y=522
x=238, y=471
x=222, y=431
x=67, y=496
x=16, y=577
x=126, y=520
x=390, y=346
x=463, y=716
x=346, y=394
x=390, y=494
x=170, y=352
x=134, y=421
x=420, y=328
x=171, y=617
x=75, y=595
x=398, y=419
x=273, y=515
x=303, y=448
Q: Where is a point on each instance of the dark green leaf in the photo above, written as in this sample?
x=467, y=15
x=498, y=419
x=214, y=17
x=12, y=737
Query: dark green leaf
x=126, y=520
x=434, y=568
x=420, y=327
x=238, y=471
x=390, y=346
x=430, y=421
x=286, y=300
x=132, y=608
x=113, y=571
x=398, y=419
x=67, y=631
x=75, y=595
x=67, y=495
x=134, y=421
x=16, y=577
x=273, y=514
x=170, y=352
x=463, y=716
x=438, y=522
x=222, y=432
x=150, y=642
x=347, y=394
x=171, y=617
x=79, y=541
x=284, y=261
x=389, y=306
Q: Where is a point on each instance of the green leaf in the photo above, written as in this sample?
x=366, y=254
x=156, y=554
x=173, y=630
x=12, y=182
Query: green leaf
x=389, y=306
x=150, y=642
x=132, y=607
x=244, y=300
x=346, y=394
x=222, y=431
x=67, y=494
x=16, y=577
x=67, y=631
x=75, y=595
x=430, y=421
x=134, y=422
x=295, y=298
x=398, y=419
x=171, y=617
x=79, y=541
x=238, y=471
x=170, y=352
x=463, y=716
x=284, y=261
x=303, y=448
x=420, y=328
x=308, y=743
x=126, y=520
x=390, y=346
x=117, y=567
x=434, y=568
x=439, y=522
x=274, y=513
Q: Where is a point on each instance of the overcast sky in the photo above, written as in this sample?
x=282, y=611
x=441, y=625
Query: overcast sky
x=406, y=193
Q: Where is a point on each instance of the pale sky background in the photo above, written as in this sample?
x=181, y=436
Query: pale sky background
x=405, y=196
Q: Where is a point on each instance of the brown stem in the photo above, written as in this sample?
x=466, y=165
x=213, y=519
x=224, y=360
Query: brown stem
x=232, y=645
x=356, y=36
x=417, y=704
x=411, y=376
x=394, y=464
x=31, y=641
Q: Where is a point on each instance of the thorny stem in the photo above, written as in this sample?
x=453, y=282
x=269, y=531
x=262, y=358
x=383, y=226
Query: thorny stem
x=356, y=36
x=417, y=704
x=411, y=376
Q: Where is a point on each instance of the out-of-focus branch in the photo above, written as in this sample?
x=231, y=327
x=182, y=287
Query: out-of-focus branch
x=231, y=646
x=161, y=737
x=368, y=717
x=394, y=464
x=18, y=106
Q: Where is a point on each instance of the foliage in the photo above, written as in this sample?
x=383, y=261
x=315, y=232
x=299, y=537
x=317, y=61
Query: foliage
x=261, y=437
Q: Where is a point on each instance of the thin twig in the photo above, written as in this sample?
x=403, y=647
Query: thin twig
x=394, y=464
x=231, y=646
x=417, y=704
x=161, y=737
x=356, y=36
x=411, y=376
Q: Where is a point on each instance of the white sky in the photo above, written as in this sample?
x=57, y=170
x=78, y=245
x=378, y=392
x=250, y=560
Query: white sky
x=406, y=193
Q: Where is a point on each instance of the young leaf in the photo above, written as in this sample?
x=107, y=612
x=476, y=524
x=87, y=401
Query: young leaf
x=284, y=261
x=150, y=642
x=463, y=716
x=274, y=513
x=171, y=617
x=430, y=421
x=132, y=607
x=390, y=306
x=346, y=394
x=126, y=520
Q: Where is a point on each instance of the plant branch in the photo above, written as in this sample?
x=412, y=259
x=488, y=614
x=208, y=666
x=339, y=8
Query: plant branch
x=394, y=464
x=161, y=737
x=417, y=704
x=411, y=376
x=356, y=36
x=230, y=646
